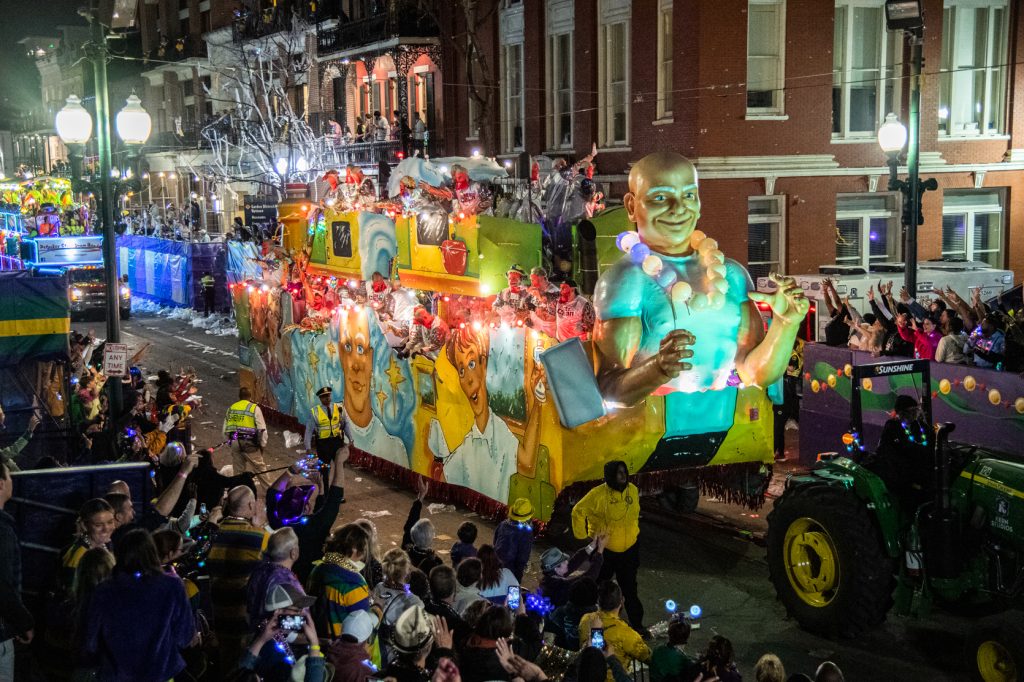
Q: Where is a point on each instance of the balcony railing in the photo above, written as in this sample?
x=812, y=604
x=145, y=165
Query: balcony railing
x=255, y=22
x=363, y=154
x=399, y=18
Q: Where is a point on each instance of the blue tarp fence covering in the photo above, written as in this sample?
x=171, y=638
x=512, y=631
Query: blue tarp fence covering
x=167, y=272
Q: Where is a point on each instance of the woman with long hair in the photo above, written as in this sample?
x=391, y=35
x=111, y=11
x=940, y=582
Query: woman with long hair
x=495, y=579
x=139, y=620
x=94, y=528
x=96, y=566
x=373, y=571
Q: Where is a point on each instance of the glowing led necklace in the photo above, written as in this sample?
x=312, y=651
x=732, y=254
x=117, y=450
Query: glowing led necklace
x=681, y=293
x=922, y=433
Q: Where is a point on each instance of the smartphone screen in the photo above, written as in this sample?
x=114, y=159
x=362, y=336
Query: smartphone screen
x=513, y=597
x=597, y=638
x=291, y=623
x=202, y=509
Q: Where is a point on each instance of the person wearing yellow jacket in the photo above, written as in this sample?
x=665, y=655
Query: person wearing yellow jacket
x=626, y=643
x=613, y=508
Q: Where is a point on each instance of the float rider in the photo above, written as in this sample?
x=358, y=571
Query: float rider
x=246, y=429
x=327, y=422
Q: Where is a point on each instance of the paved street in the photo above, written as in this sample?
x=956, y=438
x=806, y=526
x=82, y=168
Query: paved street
x=727, y=576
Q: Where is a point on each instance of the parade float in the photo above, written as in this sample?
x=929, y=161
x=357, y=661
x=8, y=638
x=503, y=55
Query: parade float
x=459, y=357
x=54, y=237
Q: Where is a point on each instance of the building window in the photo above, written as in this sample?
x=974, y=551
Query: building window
x=613, y=94
x=866, y=60
x=560, y=90
x=867, y=229
x=665, y=48
x=512, y=114
x=972, y=226
x=765, y=235
x=973, y=79
x=766, y=39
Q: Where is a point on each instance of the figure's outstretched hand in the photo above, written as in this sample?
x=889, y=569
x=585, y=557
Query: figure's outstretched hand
x=674, y=350
x=788, y=303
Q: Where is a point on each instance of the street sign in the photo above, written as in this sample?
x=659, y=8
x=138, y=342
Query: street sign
x=115, y=359
x=262, y=212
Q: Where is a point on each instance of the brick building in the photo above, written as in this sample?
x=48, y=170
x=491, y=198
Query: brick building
x=778, y=102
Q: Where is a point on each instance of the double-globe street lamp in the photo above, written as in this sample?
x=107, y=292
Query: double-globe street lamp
x=75, y=126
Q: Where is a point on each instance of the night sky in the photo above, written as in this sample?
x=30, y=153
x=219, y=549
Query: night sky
x=19, y=80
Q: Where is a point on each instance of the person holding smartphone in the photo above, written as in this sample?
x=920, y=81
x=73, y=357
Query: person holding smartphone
x=629, y=644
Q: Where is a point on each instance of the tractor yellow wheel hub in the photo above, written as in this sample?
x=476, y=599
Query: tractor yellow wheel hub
x=995, y=663
x=812, y=562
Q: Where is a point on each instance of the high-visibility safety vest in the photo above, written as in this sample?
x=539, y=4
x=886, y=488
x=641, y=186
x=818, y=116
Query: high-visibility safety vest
x=208, y=282
x=241, y=419
x=327, y=426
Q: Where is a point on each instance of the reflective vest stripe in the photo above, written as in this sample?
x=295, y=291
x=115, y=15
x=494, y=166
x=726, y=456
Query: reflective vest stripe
x=241, y=417
x=327, y=427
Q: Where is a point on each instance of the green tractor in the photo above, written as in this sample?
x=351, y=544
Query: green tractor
x=846, y=545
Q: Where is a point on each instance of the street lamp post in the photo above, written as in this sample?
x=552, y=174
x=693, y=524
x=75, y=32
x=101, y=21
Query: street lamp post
x=74, y=125
x=908, y=16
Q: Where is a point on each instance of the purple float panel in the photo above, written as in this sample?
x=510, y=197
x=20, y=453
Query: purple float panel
x=168, y=272
x=986, y=406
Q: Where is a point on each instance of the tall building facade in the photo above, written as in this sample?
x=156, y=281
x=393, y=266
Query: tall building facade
x=778, y=102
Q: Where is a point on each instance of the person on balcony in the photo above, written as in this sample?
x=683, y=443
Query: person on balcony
x=419, y=133
x=383, y=128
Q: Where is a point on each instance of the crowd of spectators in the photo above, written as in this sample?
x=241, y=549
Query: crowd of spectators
x=215, y=581
x=153, y=422
x=946, y=328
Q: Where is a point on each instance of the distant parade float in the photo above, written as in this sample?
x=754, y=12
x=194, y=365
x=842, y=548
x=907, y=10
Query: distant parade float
x=449, y=318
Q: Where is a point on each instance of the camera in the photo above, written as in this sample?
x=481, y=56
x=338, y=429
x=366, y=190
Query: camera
x=291, y=623
x=597, y=638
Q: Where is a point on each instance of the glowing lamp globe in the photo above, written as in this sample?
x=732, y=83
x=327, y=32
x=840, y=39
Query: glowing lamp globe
x=73, y=122
x=133, y=122
x=892, y=136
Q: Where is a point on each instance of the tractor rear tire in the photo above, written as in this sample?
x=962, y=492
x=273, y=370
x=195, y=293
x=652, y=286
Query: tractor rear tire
x=827, y=561
x=995, y=652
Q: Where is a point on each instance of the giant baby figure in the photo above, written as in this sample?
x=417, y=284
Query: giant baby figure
x=681, y=320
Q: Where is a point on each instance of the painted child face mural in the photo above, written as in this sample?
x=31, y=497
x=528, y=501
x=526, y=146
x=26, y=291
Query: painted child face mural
x=357, y=363
x=469, y=357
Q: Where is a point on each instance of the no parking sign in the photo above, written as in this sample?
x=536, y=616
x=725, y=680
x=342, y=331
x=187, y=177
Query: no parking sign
x=115, y=359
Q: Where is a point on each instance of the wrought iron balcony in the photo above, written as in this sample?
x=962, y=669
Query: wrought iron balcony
x=402, y=18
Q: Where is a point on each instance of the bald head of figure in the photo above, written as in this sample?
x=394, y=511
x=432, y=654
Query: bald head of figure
x=241, y=502
x=664, y=202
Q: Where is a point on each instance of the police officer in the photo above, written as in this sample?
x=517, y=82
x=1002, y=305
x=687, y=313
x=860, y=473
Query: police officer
x=247, y=430
x=208, y=284
x=327, y=422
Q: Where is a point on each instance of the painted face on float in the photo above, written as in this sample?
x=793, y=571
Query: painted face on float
x=357, y=363
x=471, y=364
x=514, y=278
x=664, y=202
x=539, y=282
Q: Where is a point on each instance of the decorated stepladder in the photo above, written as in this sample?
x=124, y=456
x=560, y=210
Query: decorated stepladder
x=458, y=373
